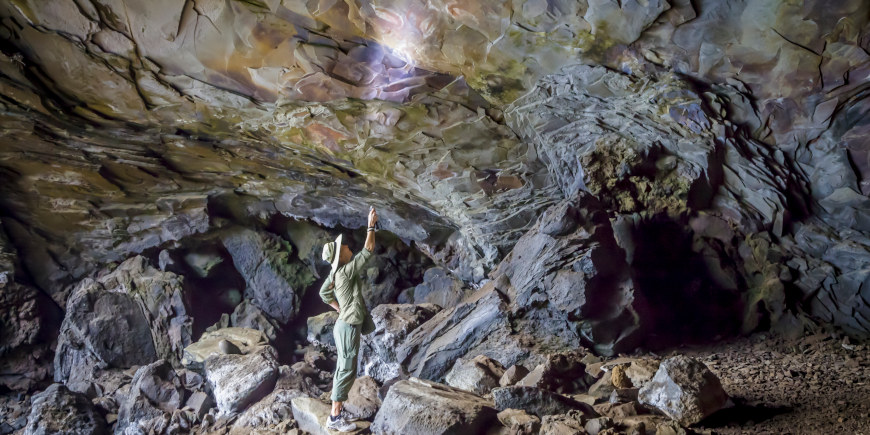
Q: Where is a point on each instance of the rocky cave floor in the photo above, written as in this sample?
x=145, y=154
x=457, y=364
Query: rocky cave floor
x=814, y=384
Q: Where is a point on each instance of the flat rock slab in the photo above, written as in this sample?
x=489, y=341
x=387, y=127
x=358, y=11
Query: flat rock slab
x=537, y=401
x=417, y=406
x=311, y=415
x=243, y=338
x=240, y=380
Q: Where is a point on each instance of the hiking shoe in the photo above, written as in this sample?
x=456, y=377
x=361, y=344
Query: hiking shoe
x=347, y=416
x=339, y=424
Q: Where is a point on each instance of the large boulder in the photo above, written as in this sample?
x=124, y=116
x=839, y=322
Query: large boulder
x=537, y=401
x=274, y=281
x=101, y=330
x=685, y=390
x=155, y=393
x=393, y=323
x=59, y=410
x=130, y=316
x=238, y=380
x=478, y=375
x=417, y=406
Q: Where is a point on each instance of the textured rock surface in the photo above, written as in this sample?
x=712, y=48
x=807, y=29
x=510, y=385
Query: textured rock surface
x=685, y=390
x=248, y=315
x=101, y=330
x=240, y=380
x=129, y=316
x=362, y=400
x=559, y=372
x=512, y=375
x=519, y=422
x=274, y=284
x=478, y=375
x=537, y=401
x=417, y=406
x=320, y=329
x=477, y=326
x=59, y=410
x=393, y=323
x=155, y=392
x=28, y=323
x=438, y=287
x=271, y=411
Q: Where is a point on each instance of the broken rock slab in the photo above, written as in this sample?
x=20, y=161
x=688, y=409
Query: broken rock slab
x=240, y=380
x=513, y=375
x=311, y=415
x=479, y=375
x=271, y=411
x=560, y=372
x=537, y=401
x=416, y=406
x=519, y=422
x=156, y=392
x=685, y=390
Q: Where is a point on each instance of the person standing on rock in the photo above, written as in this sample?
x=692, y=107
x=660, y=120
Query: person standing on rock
x=342, y=290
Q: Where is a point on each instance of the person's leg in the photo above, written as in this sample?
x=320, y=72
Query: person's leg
x=347, y=347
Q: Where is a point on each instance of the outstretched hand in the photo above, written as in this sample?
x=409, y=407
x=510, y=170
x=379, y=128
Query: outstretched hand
x=373, y=217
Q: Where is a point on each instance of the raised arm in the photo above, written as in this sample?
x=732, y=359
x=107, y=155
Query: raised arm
x=370, y=231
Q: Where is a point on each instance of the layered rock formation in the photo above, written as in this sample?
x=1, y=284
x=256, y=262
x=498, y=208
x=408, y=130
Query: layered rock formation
x=554, y=174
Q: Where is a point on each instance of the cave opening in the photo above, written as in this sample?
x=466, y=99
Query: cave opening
x=683, y=301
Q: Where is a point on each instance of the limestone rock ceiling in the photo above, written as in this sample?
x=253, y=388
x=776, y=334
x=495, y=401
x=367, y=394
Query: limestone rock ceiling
x=131, y=124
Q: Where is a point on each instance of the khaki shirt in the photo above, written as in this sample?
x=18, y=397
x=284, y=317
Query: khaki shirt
x=348, y=289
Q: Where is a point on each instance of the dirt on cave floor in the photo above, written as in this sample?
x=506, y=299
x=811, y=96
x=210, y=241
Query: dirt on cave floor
x=818, y=384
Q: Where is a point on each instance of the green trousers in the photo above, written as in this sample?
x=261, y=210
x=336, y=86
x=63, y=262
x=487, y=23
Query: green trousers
x=347, y=345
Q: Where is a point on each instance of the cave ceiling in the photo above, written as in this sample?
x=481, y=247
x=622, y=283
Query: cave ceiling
x=130, y=124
